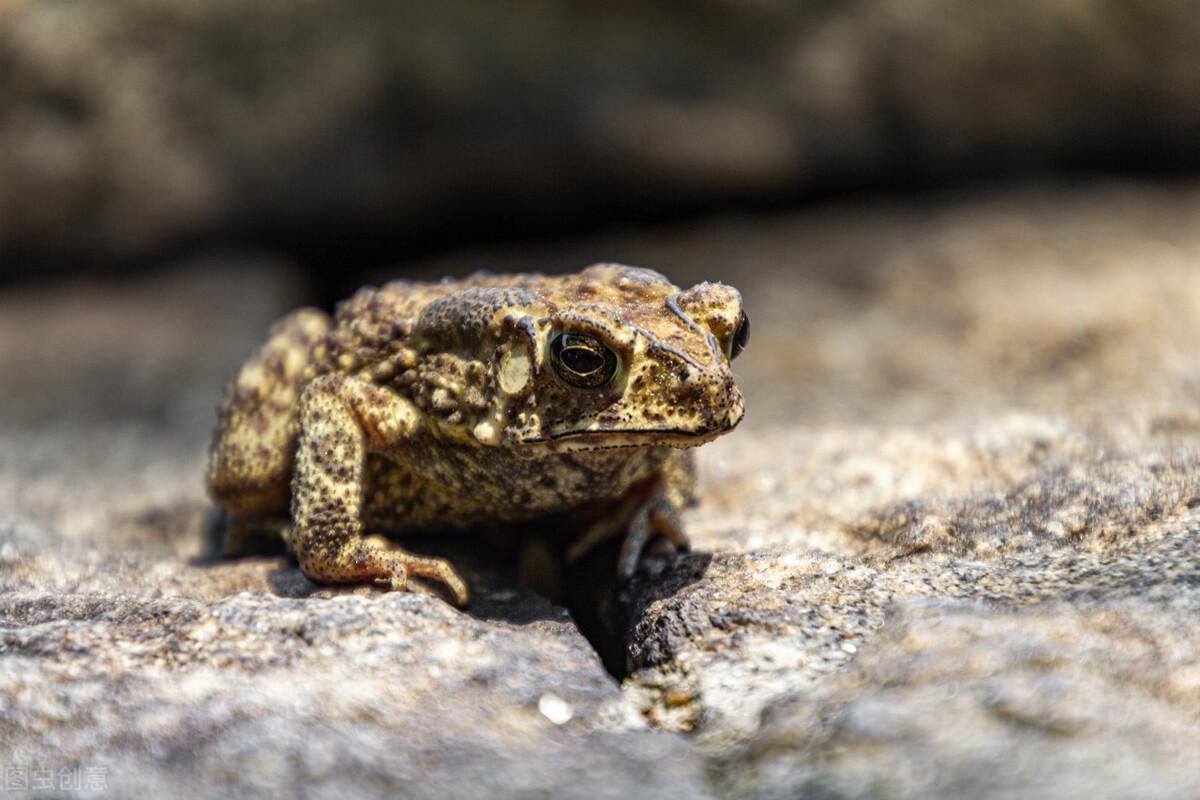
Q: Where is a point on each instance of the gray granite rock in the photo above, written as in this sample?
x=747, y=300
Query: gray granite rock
x=1075, y=700
x=267, y=696
x=952, y=551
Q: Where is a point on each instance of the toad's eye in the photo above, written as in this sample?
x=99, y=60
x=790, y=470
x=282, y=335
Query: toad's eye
x=581, y=360
x=740, y=338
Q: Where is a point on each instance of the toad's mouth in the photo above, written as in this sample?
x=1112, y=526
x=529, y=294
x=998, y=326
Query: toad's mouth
x=597, y=439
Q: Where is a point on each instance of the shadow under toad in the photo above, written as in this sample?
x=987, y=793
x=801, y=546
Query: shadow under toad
x=607, y=610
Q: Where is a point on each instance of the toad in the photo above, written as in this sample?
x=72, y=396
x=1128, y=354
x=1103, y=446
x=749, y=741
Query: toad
x=494, y=401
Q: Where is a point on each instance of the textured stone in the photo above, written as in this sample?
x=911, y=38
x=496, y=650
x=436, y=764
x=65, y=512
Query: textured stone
x=1059, y=700
x=953, y=550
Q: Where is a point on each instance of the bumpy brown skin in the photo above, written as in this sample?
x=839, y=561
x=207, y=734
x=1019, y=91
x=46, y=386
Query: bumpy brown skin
x=425, y=407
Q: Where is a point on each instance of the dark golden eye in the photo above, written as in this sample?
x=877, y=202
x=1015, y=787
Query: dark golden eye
x=582, y=360
x=740, y=338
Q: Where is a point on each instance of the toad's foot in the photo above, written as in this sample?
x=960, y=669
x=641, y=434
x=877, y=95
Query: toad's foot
x=642, y=515
x=401, y=564
x=375, y=559
x=656, y=514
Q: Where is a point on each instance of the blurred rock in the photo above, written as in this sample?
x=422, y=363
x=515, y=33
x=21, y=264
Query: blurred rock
x=953, y=550
x=351, y=130
x=263, y=696
x=954, y=700
x=155, y=349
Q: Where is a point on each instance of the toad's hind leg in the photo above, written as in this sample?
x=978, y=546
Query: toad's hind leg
x=342, y=419
x=250, y=462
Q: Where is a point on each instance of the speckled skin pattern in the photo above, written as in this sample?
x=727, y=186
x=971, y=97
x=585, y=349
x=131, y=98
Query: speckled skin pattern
x=424, y=407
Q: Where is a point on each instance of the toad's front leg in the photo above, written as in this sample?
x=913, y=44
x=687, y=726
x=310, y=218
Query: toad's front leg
x=341, y=420
x=650, y=507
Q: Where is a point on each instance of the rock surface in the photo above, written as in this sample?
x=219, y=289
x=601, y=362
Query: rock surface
x=953, y=551
x=131, y=127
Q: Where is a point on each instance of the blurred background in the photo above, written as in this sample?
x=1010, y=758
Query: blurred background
x=353, y=135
